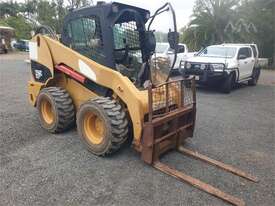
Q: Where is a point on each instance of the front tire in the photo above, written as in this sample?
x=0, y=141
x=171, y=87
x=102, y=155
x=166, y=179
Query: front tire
x=102, y=125
x=228, y=83
x=56, y=109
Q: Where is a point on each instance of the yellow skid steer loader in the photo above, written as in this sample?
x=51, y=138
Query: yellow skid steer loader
x=103, y=74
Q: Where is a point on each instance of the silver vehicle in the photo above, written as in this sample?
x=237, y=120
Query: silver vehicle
x=225, y=64
x=164, y=50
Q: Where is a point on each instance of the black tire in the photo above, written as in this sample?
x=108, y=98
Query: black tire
x=114, y=120
x=228, y=83
x=61, y=115
x=255, y=77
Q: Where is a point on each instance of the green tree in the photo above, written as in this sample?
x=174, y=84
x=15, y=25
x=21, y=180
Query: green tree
x=261, y=13
x=22, y=28
x=9, y=8
x=46, y=13
x=80, y=3
x=29, y=7
x=61, y=13
x=213, y=16
x=246, y=21
x=209, y=21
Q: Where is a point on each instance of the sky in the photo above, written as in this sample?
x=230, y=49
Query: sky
x=183, y=10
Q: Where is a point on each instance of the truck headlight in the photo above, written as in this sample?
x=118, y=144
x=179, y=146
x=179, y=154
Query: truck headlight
x=182, y=64
x=203, y=66
x=188, y=65
x=217, y=67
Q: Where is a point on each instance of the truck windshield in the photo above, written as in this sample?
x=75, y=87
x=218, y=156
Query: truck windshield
x=161, y=48
x=220, y=52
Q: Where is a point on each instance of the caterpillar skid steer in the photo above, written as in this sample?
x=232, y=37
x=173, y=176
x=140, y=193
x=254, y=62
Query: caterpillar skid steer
x=103, y=76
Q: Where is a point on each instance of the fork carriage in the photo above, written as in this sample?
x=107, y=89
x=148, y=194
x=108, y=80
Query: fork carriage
x=171, y=117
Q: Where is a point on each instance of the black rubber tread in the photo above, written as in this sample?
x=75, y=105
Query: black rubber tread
x=119, y=125
x=63, y=107
x=255, y=77
x=118, y=121
x=228, y=84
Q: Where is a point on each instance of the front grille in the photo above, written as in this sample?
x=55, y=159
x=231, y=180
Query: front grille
x=196, y=69
x=196, y=66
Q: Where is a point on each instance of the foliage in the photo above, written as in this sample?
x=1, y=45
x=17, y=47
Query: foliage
x=213, y=21
x=22, y=16
x=209, y=20
x=22, y=27
x=9, y=8
x=80, y=3
x=218, y=21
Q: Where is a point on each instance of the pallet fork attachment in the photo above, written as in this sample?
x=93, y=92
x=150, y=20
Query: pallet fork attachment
x=168, y=128
x=216, y=163
x=202, y=185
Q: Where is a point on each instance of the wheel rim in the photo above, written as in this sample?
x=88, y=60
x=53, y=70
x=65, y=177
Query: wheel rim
x=47, y=111
x=93, y=128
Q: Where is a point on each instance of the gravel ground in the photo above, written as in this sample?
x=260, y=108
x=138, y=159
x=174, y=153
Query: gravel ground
x=267, y=77
x=15, y=55
x=38, y=168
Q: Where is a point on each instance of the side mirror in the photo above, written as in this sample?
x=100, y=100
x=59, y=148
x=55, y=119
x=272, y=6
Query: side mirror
x=242, y=56
x=173, y=39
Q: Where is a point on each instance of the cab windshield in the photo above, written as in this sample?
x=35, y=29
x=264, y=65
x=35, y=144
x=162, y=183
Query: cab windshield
x=220, y=52
x=161, y=48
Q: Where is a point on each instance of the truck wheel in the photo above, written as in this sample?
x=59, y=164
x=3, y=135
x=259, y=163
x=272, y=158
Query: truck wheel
x=102, y=125
x=228, y=83
x=56, y=109
x=255, y=77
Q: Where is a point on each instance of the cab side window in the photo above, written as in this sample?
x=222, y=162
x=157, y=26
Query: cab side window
x=245, y=51
x=85, y=37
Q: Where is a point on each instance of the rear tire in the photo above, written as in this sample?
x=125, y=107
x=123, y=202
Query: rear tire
x=102, y=125
x=56, y=109
x=255, y=77
x=228, y=83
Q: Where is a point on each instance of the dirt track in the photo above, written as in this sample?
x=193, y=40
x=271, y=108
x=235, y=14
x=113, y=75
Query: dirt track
x=38, y=168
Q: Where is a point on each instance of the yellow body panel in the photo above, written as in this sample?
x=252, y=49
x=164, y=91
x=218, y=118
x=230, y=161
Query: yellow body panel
x=78, y=93
x=44, y=54
x=33, y=89
x=52, y=52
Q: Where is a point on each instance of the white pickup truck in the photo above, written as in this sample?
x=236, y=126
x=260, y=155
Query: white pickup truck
x=163, y=50
x=225, y=64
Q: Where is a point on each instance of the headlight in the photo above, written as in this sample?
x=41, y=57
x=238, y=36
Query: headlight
x=217, y=67
x=188, y=65
x=203, y=66
x=182, y=64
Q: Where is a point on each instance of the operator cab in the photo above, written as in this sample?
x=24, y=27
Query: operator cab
x=114, y=35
